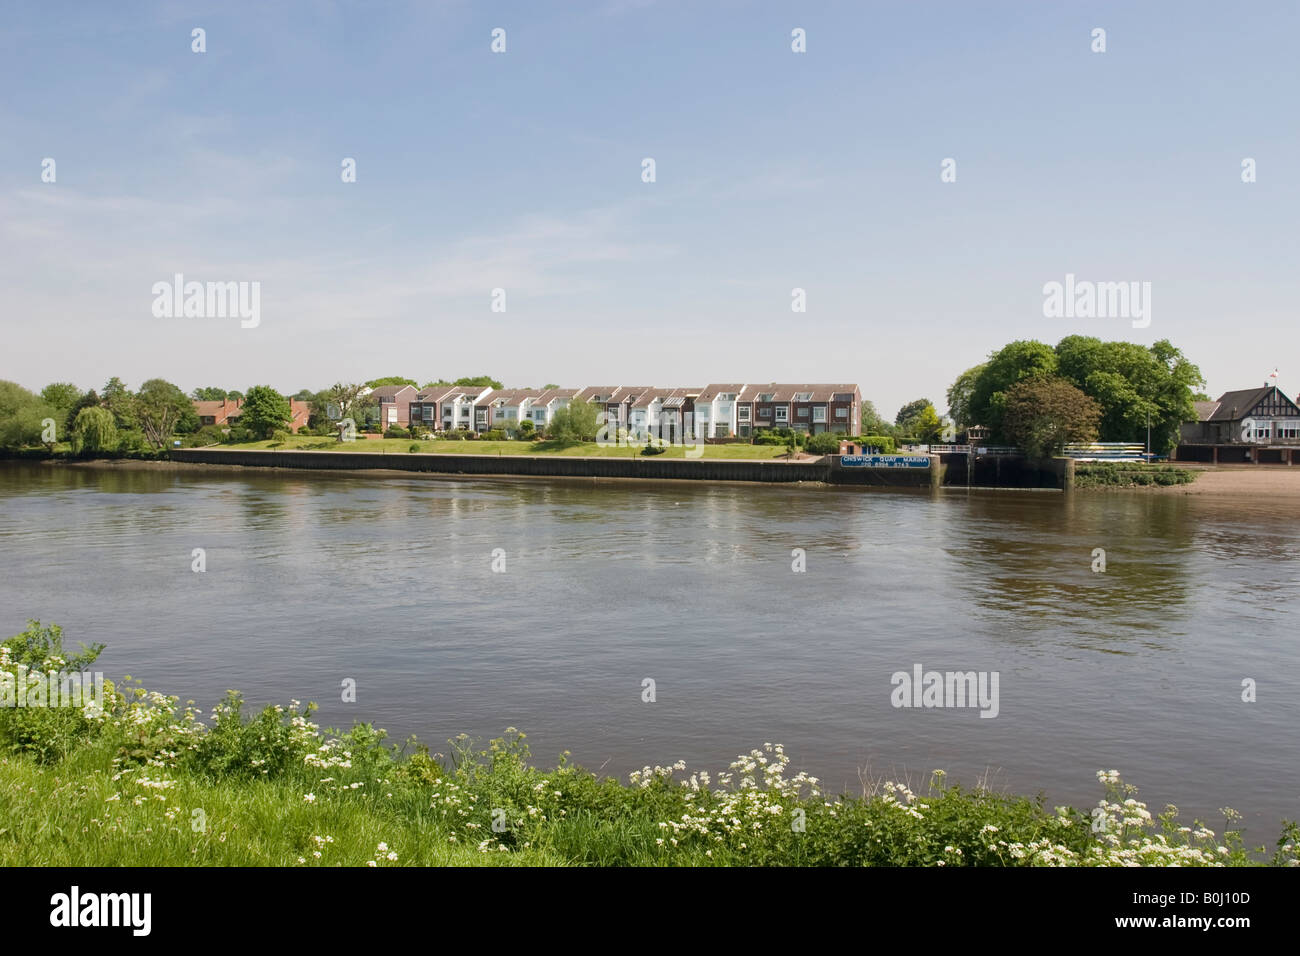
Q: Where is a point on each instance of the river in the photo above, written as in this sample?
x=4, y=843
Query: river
x=313, y=579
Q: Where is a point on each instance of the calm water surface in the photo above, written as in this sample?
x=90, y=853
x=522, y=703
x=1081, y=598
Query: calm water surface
x=314, y=578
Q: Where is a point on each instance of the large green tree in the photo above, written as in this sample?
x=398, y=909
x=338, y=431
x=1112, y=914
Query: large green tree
x=159, y=408
x=959, y=396
x=88, y=400
x=1133, y=385
x=1042, y=415
x=117, y=398
x=264, y=411
x=61, y=396
x=22, y=416
x=1007, y=366
x=94, y=430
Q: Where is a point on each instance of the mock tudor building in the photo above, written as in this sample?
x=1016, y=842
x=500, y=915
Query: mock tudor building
x=1258, y=425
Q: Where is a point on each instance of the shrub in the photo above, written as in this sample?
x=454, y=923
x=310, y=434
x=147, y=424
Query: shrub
x=397, y=432
x=279, y=436
x=207, y=435
x=1119, y=474
x=413, y=447
x=651, y=449
x=823, y=443
x=494, y=434
x=885, y=443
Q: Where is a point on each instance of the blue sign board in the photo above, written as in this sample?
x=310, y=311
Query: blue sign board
x=885, y=461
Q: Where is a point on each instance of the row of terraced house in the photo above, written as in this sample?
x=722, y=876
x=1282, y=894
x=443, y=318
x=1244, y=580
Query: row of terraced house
x=713, y=411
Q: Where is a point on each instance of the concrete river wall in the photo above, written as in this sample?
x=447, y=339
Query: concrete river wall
x=831, y=469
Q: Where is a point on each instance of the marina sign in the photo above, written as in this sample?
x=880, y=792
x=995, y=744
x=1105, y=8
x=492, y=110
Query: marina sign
x=885, y=461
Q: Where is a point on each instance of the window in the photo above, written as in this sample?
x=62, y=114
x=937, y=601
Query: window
x=803, y=396
x=803, y=412
x=819, y=413
x=428, y=413
x=743, y=413
x=782, y=413
x=842, y=413
x=765, y=413
x=727, y=397
x=392, y=414
x=765, y=397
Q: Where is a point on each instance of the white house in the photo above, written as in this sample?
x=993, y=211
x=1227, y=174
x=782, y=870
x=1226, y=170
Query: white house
x=715, y=411
x=543, y=408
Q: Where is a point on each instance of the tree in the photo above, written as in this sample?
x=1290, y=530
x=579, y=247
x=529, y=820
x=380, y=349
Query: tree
x=264, y=411
x=872, y=423
x=117, y=398
x=209, y=394
x=22, y=416
x=1041, y=415
x=159, y=408
x=1005, y=367
x=60, y=396
x=574, y=423
x=959, y=396
x=389, y=380
x=1133, y=384
x=346, y=398
x=928, y=426
x=478, y=381
x=88, y=400
x=912, y=410
x=94, y=431
x=547, y=388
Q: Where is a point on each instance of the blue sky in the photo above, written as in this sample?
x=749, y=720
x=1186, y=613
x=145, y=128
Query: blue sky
x=522, y=171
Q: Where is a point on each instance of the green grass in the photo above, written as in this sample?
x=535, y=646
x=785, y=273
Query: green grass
x=144, y=782
x=401, y=446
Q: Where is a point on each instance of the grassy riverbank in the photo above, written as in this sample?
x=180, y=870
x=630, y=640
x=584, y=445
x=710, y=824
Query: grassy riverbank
x=147, y=782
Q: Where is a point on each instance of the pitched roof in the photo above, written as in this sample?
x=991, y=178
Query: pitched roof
x=388, y=393
x=552, y=394
x=508, y=396
x=1237, y=404
x=1205, y=410
x=709, y=392
x=786, y=392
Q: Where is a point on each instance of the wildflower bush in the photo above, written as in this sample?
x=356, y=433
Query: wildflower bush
x=148, y=782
